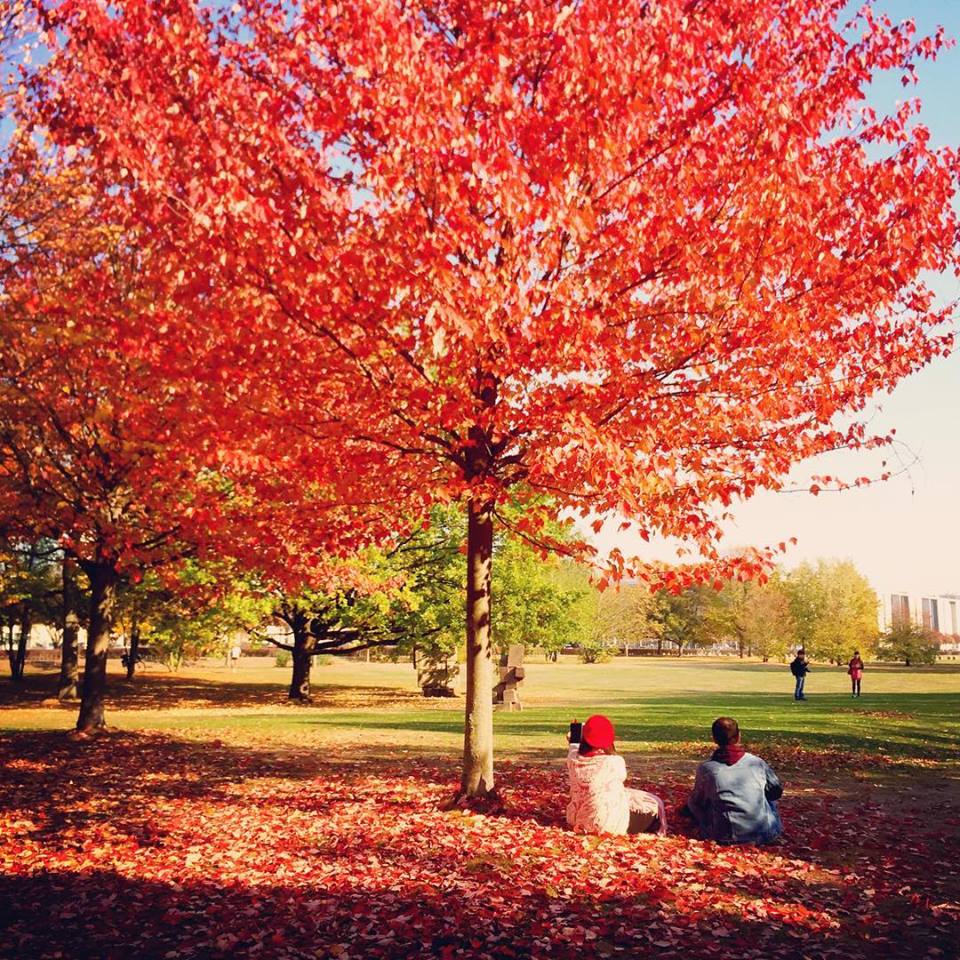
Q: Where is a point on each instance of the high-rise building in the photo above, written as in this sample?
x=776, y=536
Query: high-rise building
x=937, y=612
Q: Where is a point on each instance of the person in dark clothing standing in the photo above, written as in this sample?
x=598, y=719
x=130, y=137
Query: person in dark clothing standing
x=799, y=668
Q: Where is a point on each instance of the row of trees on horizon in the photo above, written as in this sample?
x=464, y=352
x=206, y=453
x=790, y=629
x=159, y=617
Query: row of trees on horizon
x=410, y=606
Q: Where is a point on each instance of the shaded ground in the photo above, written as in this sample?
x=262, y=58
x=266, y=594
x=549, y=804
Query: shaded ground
x=161, y=690
x=147, y=846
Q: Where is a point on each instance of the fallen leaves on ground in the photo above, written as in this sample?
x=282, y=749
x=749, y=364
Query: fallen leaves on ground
x=153, y=847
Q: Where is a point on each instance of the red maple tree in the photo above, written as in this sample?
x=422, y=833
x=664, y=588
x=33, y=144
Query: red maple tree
x=114, y=464
x=639, y=256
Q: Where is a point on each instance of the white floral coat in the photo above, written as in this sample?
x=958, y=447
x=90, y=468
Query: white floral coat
x=599, y=801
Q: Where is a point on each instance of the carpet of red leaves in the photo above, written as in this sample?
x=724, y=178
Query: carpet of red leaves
x=146, y=846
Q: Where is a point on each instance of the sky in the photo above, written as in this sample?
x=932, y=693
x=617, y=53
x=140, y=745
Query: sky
x=904, y=534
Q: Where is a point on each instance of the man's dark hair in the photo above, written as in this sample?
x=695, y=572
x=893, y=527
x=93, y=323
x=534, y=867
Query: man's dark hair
x=725, y=730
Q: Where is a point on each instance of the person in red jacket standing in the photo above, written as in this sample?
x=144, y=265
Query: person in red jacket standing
x=855, y=669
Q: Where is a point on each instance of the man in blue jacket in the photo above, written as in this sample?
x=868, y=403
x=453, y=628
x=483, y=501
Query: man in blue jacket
x=800, y=667
x=735, y=793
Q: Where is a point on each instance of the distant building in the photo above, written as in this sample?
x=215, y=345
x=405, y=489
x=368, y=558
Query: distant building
x=937, y=612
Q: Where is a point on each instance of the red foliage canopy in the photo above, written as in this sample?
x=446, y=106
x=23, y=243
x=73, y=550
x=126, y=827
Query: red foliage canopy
x=636, y=256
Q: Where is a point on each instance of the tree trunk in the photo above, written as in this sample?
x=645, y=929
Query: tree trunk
x=69, y=652
x=477, y=777
x=303, y=644
x=103, y=596
x=134, y=646
x=659, y=646
x=18, y=656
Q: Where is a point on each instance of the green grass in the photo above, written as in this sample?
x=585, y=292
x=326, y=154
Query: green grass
x=658, y=705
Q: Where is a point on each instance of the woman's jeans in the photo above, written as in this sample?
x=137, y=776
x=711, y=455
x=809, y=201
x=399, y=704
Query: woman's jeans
x=798, y=693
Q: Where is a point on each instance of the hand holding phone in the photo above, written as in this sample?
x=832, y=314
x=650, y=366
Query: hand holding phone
x=575, y=730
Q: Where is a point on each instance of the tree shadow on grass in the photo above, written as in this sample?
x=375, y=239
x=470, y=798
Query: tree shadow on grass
x=162, y=691
x=829, y=725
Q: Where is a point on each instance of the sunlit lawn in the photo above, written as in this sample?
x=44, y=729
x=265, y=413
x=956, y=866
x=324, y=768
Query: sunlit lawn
x=658, y=704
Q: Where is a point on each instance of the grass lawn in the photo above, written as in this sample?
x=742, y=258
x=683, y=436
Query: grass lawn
x=218, y=811
x=657, y=704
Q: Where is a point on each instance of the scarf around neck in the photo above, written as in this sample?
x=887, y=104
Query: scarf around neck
x=729, y=754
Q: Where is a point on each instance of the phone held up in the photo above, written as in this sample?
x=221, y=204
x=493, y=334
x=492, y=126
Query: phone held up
x=575, y=731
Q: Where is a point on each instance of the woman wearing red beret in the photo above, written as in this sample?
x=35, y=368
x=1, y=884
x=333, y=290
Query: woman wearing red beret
x=599, y=801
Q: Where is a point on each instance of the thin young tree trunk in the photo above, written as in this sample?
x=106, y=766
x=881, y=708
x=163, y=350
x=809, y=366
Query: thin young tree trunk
x=18, y=657
x=103, y=596
x=303, y=643
x=134, y=646
x=69, y=651
x=477, y=777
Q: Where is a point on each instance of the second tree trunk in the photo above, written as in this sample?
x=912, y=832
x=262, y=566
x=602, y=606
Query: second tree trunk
x=69, y=653
x=303, y=644
x=103, y=595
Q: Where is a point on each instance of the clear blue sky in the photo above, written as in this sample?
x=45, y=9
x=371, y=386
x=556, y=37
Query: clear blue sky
x=903, y=534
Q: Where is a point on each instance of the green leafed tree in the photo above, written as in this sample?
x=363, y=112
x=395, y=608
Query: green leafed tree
x=193, y=613
x=756, y=617
x=365, y=604
x=30, y=592
x=684, y=619
x=834, y=609
x=910, y=643
x=532, y=605
x=537, y=596
x=609, y=619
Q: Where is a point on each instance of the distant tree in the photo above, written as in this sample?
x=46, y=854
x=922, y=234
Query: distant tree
x=834, y=609
x=363, y=607
x=755, y=616
x=531, y=605
x=910, y=643
x=192, y=611
x=768, y=625
x=73, y=595
x=30, y=594
x=611, y=618
x=683, y=619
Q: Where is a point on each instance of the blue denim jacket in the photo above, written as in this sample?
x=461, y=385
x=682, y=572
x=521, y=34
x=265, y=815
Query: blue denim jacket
x=736, y=804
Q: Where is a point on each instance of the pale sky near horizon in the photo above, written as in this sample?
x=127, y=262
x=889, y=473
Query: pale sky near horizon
x=904, y=534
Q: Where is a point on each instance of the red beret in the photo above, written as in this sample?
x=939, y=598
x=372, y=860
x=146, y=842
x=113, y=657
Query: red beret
x=598, y=732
